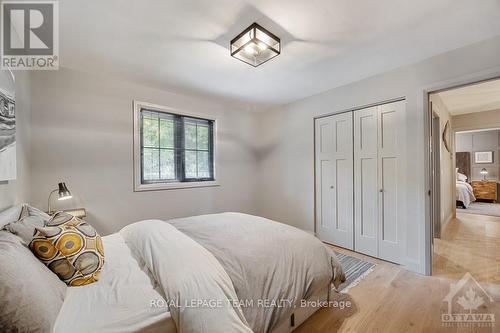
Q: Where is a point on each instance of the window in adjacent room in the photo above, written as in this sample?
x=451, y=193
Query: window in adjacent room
x=172, y=150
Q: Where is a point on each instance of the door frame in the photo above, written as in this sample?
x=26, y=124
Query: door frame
x=436, y=174
x=430, y=197
x=355, y=108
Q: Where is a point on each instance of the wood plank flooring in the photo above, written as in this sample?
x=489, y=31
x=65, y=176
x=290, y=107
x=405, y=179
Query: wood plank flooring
x=392, y=299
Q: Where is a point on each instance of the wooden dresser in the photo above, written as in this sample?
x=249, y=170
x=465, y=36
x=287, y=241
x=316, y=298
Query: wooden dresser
x=485, y=189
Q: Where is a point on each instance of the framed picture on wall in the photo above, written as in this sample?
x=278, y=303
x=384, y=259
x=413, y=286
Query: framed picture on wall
x=483, y=157
x=7, y=127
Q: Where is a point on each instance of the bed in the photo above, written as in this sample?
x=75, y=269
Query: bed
x=464, y=194
x=225, y=272
x=464, y=191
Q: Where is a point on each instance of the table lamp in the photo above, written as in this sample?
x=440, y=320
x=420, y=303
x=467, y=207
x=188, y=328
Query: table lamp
x=63, y=192
x=484, y=172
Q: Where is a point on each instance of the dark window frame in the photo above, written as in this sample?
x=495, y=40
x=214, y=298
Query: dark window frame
x=179, y=148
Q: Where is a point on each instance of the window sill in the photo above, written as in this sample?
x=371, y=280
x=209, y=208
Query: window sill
x=174, y=186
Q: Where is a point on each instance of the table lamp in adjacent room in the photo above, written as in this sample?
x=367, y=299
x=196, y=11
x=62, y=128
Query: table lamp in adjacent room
x=484, y=172
x=63, y=192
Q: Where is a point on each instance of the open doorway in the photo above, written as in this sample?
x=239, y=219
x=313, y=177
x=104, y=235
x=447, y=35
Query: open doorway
x=465, y=174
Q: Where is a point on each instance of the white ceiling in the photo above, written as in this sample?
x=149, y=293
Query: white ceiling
x=473, y=98
x=182, y=45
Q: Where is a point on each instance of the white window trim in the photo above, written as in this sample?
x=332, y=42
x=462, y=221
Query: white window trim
x=138, y=186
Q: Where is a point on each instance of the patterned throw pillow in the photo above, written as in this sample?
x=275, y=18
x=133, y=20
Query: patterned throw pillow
x=71, y=248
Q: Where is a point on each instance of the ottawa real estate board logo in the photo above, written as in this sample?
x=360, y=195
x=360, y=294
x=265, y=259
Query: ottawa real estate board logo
x=468, y=305
x=29, y=35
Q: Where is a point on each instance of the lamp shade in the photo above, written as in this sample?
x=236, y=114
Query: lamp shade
x=484, y=171
x=64, y=193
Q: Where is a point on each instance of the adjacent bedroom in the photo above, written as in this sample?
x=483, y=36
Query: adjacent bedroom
x=249, y=166
x=477, y=171
x=467, y=211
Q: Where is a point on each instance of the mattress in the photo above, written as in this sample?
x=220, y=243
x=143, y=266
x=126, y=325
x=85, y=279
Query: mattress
x=123, y=300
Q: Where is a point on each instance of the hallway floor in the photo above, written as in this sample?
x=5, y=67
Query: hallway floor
x=470, y=243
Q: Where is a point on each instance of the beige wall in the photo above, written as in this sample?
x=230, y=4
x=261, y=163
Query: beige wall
x=17, y=191
x=487, y=140
x=474, y=121
x=447, y=163
x=286, y=147
x=82, y=130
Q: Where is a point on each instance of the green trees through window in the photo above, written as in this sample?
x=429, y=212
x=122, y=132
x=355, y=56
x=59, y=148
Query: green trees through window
x=175, y=148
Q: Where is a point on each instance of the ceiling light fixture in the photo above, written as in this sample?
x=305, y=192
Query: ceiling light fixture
x=255, y=45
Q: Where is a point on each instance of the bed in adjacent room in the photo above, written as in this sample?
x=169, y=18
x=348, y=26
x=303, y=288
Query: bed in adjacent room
x=243, y=273
x=464, y=191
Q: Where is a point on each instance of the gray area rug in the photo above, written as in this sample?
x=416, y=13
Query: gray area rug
x=481, y=208
x=355, y=270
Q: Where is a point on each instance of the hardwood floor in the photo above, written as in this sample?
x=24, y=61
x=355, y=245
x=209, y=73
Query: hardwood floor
x=392, y=299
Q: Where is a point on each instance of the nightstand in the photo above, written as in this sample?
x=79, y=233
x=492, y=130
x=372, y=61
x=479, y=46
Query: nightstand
x=485, y=189
x=81, y=213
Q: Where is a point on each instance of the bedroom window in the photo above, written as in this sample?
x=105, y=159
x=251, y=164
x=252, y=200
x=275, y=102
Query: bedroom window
x=172, y=149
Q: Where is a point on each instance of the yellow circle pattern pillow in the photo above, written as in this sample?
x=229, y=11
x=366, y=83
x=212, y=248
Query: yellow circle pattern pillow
x=71, y=248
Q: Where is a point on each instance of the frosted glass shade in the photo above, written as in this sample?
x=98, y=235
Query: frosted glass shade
x=255, y=45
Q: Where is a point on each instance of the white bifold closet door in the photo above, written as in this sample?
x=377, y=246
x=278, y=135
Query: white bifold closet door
x=334, y=179
x=378, y=181
x=366, y=195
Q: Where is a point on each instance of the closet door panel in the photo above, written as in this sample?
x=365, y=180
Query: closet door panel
x=366, y=181
x=344, y=200
x=324, y=177
x=368, y=198
x=327, y=196
x=343, y=183
x=334, y=187
x=391, y=181
x=389, y=214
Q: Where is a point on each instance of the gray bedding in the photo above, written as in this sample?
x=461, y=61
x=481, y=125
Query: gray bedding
x=272, y=266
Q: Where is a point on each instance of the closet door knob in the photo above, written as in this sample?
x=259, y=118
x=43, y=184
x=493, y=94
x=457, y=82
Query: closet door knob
x=332, y=187
x=381, y=190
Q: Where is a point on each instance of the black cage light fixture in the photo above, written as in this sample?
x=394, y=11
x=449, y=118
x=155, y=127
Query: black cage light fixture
x=255, y=45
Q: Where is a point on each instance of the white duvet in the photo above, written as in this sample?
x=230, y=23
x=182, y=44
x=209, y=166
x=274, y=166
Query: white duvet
x=198, y=271
x=465, y=193
x=273, y=266
x=120, y=302
x=199, y=292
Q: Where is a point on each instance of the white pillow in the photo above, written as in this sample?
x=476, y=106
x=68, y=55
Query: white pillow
x=30, y=219
x=10, y=215
x=461, y=177
x=31, y=295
